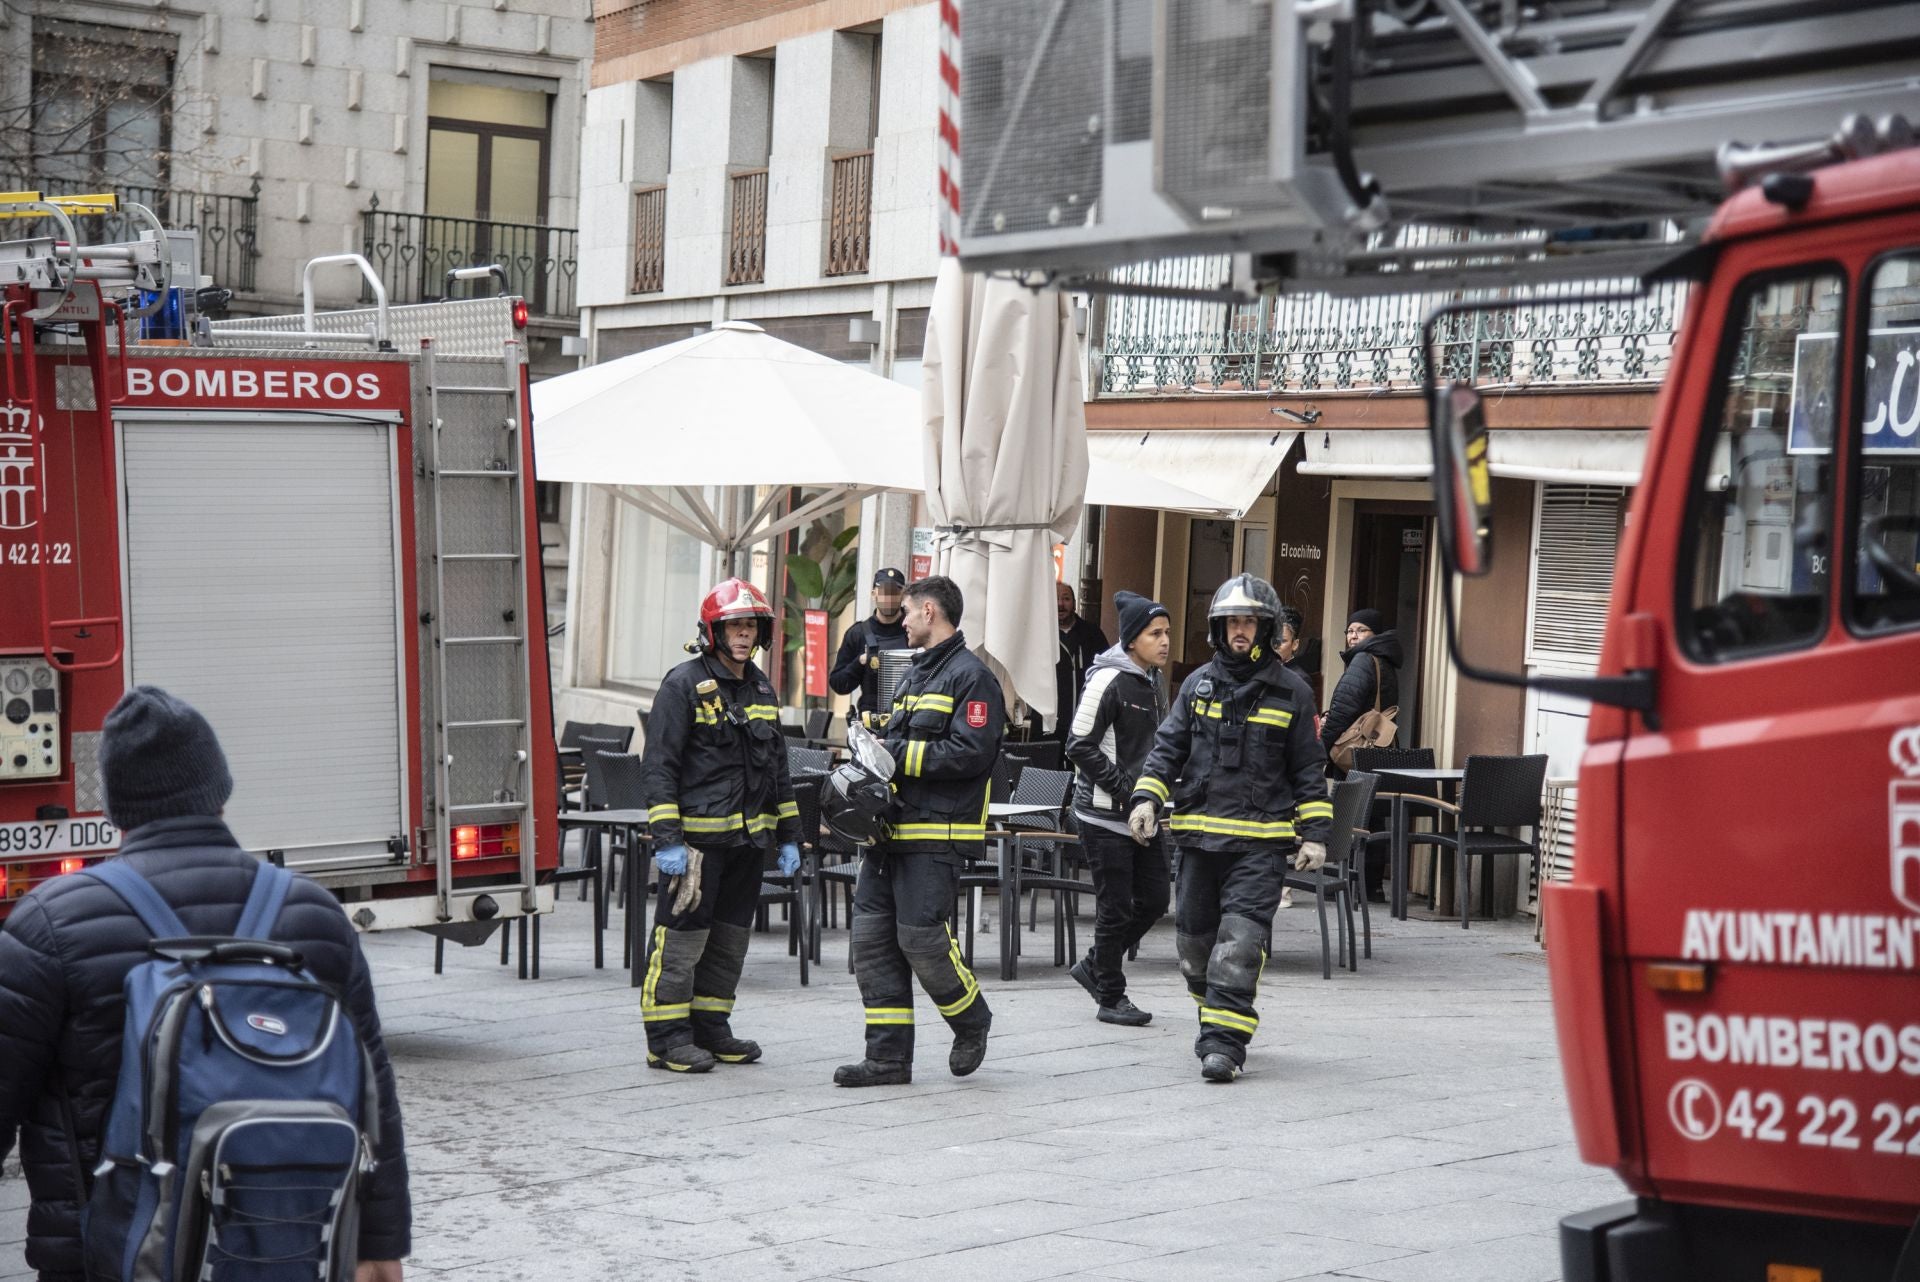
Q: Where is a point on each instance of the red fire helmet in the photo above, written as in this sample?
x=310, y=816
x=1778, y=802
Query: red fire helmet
x=734, y=599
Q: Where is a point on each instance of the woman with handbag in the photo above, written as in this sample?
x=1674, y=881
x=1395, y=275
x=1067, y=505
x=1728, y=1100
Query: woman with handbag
x=1364, y=705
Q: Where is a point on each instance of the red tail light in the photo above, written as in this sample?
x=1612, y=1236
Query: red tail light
x=72, y=863
x=486, y=841
x=466, y=842
x=520, y=313
x=3, y=881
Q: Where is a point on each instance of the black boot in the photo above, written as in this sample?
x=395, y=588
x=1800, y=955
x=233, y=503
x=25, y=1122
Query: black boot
x=874, y=1072
x=1218, y=1068
x=684, y=1058
x=731, y=1050
x=1083, y=975
x=1125, y=1012
x=969, y=1048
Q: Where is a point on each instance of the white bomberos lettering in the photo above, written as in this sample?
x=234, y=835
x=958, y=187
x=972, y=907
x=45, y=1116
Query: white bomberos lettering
x=1873, y=941
x=214, y=382
x=1776, y=1041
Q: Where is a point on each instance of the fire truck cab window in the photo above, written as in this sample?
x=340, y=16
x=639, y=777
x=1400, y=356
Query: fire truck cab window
x=1761, y=556
x=1886, y=518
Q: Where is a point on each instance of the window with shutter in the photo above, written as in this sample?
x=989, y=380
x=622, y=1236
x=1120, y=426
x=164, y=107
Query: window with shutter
x=1576, y=537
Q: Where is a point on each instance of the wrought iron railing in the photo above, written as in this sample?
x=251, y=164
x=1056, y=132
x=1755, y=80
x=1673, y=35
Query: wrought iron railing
x=850, y=215
x=747, y=228
x=1323, y=343
x=412, y=254
x=650, y=240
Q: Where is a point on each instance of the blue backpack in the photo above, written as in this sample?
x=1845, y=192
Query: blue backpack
x=245, y=1115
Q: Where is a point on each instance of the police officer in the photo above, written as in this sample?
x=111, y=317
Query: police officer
x=1238, y=759
x=857, y=667
x=715, y=774
x=944, y=732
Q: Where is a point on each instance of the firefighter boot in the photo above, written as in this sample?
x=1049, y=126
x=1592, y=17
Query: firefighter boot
x=715, y=980
x=1218, y=1068
x=874, y=1072
x=886, y=990
x=666, y=1001
x=935, y=956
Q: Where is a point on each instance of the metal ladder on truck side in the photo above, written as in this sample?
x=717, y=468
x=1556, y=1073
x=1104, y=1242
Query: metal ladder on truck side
x=482, y=668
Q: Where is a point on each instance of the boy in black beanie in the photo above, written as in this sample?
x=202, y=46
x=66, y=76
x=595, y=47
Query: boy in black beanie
x=1109, y=737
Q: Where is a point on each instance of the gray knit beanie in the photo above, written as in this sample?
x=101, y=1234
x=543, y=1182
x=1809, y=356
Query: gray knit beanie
x=159, y=759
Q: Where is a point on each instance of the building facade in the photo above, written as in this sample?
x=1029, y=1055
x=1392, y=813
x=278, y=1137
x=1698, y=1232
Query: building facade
x=770, y=162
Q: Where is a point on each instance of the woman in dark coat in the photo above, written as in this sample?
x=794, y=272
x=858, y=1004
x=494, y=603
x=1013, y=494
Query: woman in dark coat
x=1366, y=642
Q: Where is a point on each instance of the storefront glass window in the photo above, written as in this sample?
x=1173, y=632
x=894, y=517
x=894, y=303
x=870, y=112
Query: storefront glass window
x=657, y=583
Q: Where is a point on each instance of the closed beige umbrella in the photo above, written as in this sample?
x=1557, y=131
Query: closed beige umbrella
x=1006, y=463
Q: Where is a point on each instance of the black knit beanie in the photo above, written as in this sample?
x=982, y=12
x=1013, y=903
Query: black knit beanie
x=159, y=759
x=1368, y=619
x=1135, y=612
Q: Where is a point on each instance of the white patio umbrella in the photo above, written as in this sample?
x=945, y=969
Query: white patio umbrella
x=733, y=408
x=1006, y=463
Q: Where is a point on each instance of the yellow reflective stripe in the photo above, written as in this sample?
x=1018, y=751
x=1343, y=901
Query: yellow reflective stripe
x=967, y=981
x=766, y=821
x=705, y=715
x=722, y=1005
x=940, y=832
x=664, y=1014
x=1202, y=708
x=924, y=703
x=713, y=823
x=1271, y=717
x=647, y=990
x=1231, y=1019
x=916, y=758
x=1316, y=810
x=789, y=810
x=1147, y=783
x=666, y=810
x=890, y=1015
x=763, y=712
x=1232, y=827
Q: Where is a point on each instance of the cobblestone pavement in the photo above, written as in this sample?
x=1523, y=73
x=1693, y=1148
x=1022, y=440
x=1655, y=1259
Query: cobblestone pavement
x=1404, y=1124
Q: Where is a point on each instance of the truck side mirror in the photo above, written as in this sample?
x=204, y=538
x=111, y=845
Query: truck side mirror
x=1462, y=482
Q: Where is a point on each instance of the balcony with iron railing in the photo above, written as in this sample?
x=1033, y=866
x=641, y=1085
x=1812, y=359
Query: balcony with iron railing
x=650, y=240
x=1552, y=336
x=412, y=253
x=850, y=213
x=747, y=227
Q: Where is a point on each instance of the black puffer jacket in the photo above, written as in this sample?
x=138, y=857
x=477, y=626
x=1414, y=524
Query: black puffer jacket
x=1354, y=694
x=64, y=956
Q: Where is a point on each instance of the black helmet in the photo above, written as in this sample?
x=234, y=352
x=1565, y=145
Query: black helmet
x=1243, y=594
x=855, y=798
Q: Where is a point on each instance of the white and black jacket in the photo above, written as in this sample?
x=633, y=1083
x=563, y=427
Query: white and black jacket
x=1112, y=732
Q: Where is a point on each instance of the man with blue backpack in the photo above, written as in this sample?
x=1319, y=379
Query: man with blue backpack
x=189, y=1048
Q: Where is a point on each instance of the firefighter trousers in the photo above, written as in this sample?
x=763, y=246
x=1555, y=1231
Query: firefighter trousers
x=1224, y=925
x=694, y=967
x=1130, y=895
x=902, y=930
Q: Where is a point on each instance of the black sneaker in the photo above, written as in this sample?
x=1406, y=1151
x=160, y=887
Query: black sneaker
x=1218, y=1068
x=969, y=1049
x=1125, y=1012
x=732, y=1050
x=1083, y=976
x=684, y=1058
x=874, y=1072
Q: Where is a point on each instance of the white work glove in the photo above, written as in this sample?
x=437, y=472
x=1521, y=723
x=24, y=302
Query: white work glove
x=1313, y=854
x=1144, y=822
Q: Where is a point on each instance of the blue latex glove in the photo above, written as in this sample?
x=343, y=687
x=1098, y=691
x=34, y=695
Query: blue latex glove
x=789, y=859
x=672, y=860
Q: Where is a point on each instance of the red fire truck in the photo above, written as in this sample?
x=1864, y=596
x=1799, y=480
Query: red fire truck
x=318, y=529
x=1736, y=962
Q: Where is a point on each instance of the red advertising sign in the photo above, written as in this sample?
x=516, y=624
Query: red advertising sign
x=345, y=386
x=817, y=652
x=922, y=568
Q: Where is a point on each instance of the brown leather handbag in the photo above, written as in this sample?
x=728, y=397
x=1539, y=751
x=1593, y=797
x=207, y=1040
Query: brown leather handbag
x=1373, y=728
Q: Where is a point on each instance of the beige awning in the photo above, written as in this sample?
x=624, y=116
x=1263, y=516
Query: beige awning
x=1583, y=458
x=1222, y=473
x=1368, y=453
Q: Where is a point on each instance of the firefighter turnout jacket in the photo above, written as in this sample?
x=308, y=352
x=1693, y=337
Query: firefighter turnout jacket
x=944, y=732
x=715, y=769
x=1239, y=762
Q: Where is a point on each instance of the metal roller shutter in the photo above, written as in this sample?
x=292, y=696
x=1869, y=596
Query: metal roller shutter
x=1577, y=535
x=262, y=588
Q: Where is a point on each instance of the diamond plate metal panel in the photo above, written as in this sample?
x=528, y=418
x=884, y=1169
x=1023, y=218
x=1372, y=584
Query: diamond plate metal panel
x=89, y=790
x=464, y=327
x=484, y=768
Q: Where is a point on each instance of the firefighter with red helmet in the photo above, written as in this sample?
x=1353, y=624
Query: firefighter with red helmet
x=718, y=799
